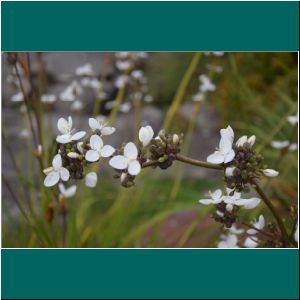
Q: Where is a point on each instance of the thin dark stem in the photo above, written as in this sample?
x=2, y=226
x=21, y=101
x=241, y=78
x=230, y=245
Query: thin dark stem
x=198, y=163
x=259, y=230
x=268, y=202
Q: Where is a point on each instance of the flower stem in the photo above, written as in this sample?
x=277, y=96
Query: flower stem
x=268, y=202
x=198, y=163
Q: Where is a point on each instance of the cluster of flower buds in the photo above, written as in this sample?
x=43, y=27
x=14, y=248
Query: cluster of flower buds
x=224, y=216
x=164, y=148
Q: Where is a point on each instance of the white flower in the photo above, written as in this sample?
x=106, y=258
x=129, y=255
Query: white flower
x=48, y=98
x=216, y=197
x=270, y=173
x=293, y=147
x=125, y=107
x=91, y=179
x=225, y=153
x=148, y=99
x=67, y=192
x=229, y=241
x=236, y=199
x=229, y=171
x=17, y=97
x=85, y=70
x=56, y=172
x=260, y=224
x=71, y=91
x=137, y=74
x=206, y=84
x=293, y=119
x=280, y=144
x=234, y=230
x=296, y=234
x=93, y=83
x=121, y=81
x=101, y=126
x=123, y=65
x=77, y=105
x=244, y=139
x=67, y=136
x=145, y=135
x=97, y=149
x=199, y=97
x=251, y=242
x=24, y=134
x=128, y=160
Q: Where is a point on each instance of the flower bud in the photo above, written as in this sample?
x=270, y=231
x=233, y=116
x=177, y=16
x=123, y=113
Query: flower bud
x=73, y=155
x=270, y=173
x=47, y=170
x=175, y=139
x=229, y=171
x=251, y=140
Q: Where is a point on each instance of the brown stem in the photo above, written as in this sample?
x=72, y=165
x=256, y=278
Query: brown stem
x=259, y=230
x=268, y=202
x=151, y=163
x=198, y=163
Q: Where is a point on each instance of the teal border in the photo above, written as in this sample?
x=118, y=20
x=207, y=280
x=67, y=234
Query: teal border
x=151, y=26
x=146, y=274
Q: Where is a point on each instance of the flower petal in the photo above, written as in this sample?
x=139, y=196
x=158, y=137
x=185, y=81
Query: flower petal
x=64, y=126
x=51, y=179
x=270, y=173
x=94, y=124
x=70, y=192
x=107, y=151
x=216, y=195
x=241, y=141
x=92, y=155
x=130, y=151
x=64, y=174
x=64, y=139
x=145, y=135
x=91, y=179
x=225, y=144
x=229, y=156
x=134, y=168
x=119, y=162
x=215, y=158
x=57, y=162
x=206, y=201
x=78, y=135
x=108, y=130
x=96, y=142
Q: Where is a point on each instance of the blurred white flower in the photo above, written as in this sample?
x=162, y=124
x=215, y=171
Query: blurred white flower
x=128, y=160
x=296, y=234
x=244, y=139
x=214, y=68
x=148, y=98
x=251, y=242
x=17, y=97
x=93, y=83
x=122, y=54
x=123, y=65
x=137, y=74
x=71, y=92
x=270, y=173
x=48, y=98
x=91, y=179
x=24, y=133
x=98, y=150
x=101, y=126
x=280, y=144
x=259, y=224
x=110, y=104
x=85, y=70
x=228, y=241
x=293, y=147
x=145, y=135
x=77, y=105
x=199, y=97
x=234, y=230
x=206, y=84
x=121, y=81
x=215, y=198
x=293, y=119
x=125, y=107
x=56, y=172
x=225, y=153
x=67, y=136
x=67, y=192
